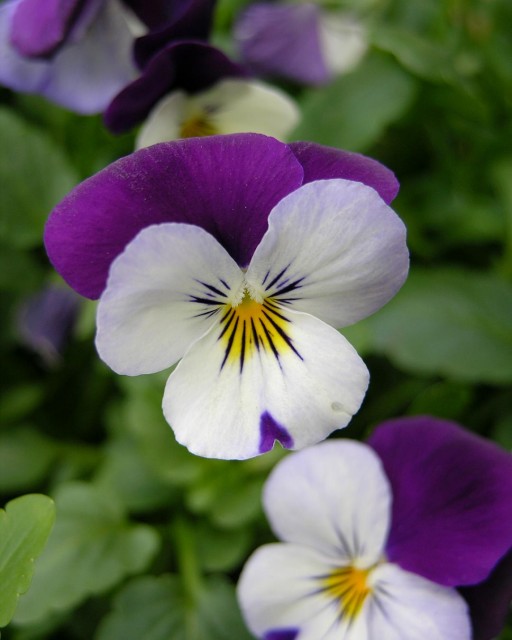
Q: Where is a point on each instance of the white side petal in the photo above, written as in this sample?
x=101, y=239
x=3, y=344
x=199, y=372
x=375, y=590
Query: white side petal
x=334, y=497
x=237, y=106
x=279, y=588
x=343, y=40
x=151, y=310
x=164, y=121
x=405, y=606
x=237, y=409
x=333, y=249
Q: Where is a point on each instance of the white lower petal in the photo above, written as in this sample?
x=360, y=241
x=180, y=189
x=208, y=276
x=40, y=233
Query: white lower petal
x=405, y=606
x=333, y=249
x=233, y=402
x=164, y=121
x=159, y=297
x=238, y=106
x=334, y=497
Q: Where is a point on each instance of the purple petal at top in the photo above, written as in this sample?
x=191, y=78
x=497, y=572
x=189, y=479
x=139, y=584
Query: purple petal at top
x=189, y=20
x=283, y=40
x=156, y=13
x=39, y=28
x=452, y=508
x=489, y=602
x=225, y=184
x=191, y=66
x=323, y=163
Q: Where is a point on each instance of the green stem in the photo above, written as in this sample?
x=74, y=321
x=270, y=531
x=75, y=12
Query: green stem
x=187, y=559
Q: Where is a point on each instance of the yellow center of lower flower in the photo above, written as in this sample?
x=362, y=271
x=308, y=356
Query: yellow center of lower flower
x=349, y=586
x=253, y=327
x=197, y=126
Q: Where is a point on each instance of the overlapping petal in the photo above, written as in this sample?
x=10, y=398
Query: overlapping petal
x=333, y=249
x=451, y=496
x=159, y=294
x=333, y=497
x=236, y=392
x=226, y=185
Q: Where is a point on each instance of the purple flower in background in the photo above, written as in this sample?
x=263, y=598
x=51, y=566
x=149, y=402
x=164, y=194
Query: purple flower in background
x=76, y=54
x=299, y=41
x=45, y=319
x=377, y=537
x=237, y=254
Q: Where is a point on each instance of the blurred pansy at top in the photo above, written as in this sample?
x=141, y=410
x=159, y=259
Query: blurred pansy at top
x=222, y=266
x=237, y=254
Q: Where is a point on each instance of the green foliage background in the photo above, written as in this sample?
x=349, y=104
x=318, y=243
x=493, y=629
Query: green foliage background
x=149, y=540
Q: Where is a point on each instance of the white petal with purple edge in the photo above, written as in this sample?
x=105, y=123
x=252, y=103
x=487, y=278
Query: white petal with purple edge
x=162, y=294
x=279, y=588
x=333, y=249
x=334, y=497
x=261, y=376
x=405, y=606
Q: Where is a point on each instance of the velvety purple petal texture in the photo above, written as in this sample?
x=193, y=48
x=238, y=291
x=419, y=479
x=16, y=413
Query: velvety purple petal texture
x=185, y=20
x=283, y=40
x=281, y=634
x=157, y=13
x=39, y=28
x=489, y=602
x=323, y=163
x=225, y=184
x=452, y=507
x=191, y=66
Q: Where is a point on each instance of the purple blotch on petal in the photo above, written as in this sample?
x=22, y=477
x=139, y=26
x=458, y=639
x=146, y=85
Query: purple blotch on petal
x=489, y=602
x=227, y=185
x=272, y=432
x=452, y=513
x=281, y=634
x=324, y=163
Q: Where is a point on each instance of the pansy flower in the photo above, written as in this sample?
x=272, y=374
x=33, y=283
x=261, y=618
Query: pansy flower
x=301, y=41
x=378, y=536
x=239, y=255
x=192, y=89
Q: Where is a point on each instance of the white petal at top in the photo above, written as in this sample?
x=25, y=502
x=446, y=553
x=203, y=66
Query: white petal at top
x=163, y=292
x=333, y=249
x=335, y=498
x=263, y=375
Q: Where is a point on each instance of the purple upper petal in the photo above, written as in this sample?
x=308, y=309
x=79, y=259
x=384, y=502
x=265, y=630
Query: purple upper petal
x=191, y=66
x=157, y=13
x=489, y=602
x=281, y=634
x=39, y=28
x=226, y=184
x=283, y=40
x=323, y=163
x=452, y=507
x=185, y=20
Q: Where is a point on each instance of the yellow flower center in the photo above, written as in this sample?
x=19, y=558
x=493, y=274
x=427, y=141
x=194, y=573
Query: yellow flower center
x=349, y=586
x=253, y=327
x=197, y=126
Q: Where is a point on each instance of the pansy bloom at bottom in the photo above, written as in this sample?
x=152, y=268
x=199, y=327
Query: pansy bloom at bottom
x=377, y=537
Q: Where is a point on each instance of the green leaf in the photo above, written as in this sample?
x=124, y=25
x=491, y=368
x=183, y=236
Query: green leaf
x=24, y=529
x=356, y=108
x=156, y=608
x=220, y=549
x=34, y=175
x=25, y=459
x=92, y=548
x=449, y=322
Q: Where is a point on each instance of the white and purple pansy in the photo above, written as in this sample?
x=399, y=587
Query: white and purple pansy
x=379, y=537
x=239, y=255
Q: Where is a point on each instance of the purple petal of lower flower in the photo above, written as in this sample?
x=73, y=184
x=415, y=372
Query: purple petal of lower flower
x=225, y=184
x=489, y=602
x=283, y=40
x=323, y=163
x=39, y=28
x=452, y=516
x=191, y=66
